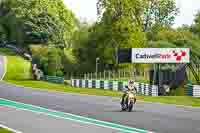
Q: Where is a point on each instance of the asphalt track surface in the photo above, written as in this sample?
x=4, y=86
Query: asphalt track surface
x=159, y=118
x=29, y=122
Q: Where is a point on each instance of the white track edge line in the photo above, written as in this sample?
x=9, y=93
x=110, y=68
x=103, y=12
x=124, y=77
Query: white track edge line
x=5, y=67
x=10, y=129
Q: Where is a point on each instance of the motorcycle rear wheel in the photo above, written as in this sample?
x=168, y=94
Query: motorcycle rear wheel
x=123, y=108
x=130, y=107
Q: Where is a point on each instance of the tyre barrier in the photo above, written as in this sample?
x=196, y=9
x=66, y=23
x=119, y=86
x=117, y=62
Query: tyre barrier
x=57, y=80
x=193, y=90
x=142, y=88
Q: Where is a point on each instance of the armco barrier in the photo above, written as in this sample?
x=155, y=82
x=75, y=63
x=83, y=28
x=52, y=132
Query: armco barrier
x=196, y=90
x=97, y=84
x=106, y=85
x=58, y=80
x=83, y=84
x=144, y=89
x=115, y=86
x=89, y=84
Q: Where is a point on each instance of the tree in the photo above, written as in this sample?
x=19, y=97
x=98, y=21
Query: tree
x=124, y=19
x=167, y=33
x=69, y=61
x=80, y=36
x=10, y=25
x=196, y=26
x=44, y=20
x=124, y=22
x=121, y=23
x=54, y=61
x=162, y=12
x=146, y=12
x=177, y=38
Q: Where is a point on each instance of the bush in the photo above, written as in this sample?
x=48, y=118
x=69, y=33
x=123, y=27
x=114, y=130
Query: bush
x=44, y=65
x=59, y=73
x=53, y=61
x=177, y=92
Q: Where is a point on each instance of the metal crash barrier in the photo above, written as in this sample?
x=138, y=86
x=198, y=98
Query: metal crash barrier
x=144, y=89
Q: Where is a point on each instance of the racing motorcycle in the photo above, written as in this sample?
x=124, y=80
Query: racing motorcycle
x=128, y=101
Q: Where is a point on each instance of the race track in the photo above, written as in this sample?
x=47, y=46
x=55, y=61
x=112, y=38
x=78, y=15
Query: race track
x=153, y=117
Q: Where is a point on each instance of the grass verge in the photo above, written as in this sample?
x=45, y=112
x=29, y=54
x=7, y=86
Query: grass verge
x=17, y=67
x=2, y=130
x=63, y=88
x=178, y=100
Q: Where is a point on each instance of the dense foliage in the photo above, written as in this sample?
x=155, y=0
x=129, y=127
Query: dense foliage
x=40, y=21
x=67, y=46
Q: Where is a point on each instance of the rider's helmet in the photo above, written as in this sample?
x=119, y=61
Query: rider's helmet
x=131, y=84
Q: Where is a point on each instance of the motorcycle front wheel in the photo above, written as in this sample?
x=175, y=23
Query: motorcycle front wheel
x=130, y=108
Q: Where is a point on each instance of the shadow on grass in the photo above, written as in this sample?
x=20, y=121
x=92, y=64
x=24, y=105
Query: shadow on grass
x=6, y=51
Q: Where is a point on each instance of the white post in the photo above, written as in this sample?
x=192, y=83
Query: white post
x=97, y=63
x=119, y=74
x=154, y=76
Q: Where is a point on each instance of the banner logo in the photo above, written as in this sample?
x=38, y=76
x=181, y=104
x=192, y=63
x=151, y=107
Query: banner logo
x=163, y=55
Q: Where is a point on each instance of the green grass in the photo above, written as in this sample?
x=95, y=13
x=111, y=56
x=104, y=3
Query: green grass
x=63, y=88
x=178, y=100
x=2, y=130
x=17, y=67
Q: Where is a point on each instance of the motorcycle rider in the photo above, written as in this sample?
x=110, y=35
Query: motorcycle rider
x=131, y=88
